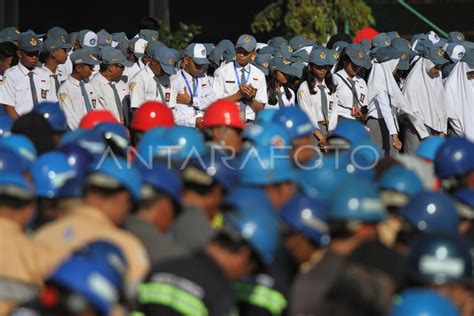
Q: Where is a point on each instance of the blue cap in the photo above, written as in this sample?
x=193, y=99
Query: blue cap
x=277, y=41
x=381, y=40
x=298, y=69
x=247, y=42
x=351, y=130
x=10, y=34
x=166, y=58
x=301, y=56
x=57, y=31
x=366, y=44
x=340, y=45
x=84, y=56
x=29, y=42
x=285, y=51
x=358, y=55
x=78, y=157
x=280, y=64
x=14, y=185
x=9, y=160
x=454, y=158
x=52, y=43
x=197, y=52
x=322, y=57
x=262, y=62
x=115, y=56
x=265, y=116
x=402, y=180
x=104, y=39
x=429, y=146
x=435, y=54
x=23, y=146
x=456, y=37
x=161, y=178
x=6, y=124
x=384, y=54
x=299, y=41
x=52, y=112
x=268, y=50
x=148, y=35
x=422, y=301
x=221, y=167
x=267, y=134
x=402, y=45
x=295, y=120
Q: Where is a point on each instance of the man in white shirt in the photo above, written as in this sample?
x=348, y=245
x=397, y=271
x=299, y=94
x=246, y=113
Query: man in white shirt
x=136, y=54
x=25, y=85
x=351, y=91
x=54, y=53
x=242, y=82
x=76, y=96
x=113, y=92
x=192, y=87
x=153, y=83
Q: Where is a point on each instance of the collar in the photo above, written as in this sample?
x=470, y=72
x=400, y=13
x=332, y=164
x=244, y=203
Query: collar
x=48, y=70
x=74, y=81
x=141, y=64
x=247, y=67
x=102, y=79
x=149, y=71
x=8, y=225
x=346, y=76
x=186, y=74
x=23, y=69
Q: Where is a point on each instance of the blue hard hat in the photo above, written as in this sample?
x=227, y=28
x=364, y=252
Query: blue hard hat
x=295, y=120
x=9, y=160
x=50, y=171
x=308, y=217
x=402, y=180
x=265, y=116
x=365, y=153
x=78, y=157
x=266, y=165
x=23, y=146
x=223, y=168
x=91, y=140
x=88, y=279
x=72, y=188
x=440, y=258
x=328, y=172
x=255, y=219
x=356, y=199
x=110, y=256
x=121, y=171
x=431, y=211
x=422, y=302
x=351, y=130
x=22, y=188
x=162, y=178
x=52, y=112
x=6, y=124
x=455, y=157
x=429, y=146
x=267, y=134
x=115, y=132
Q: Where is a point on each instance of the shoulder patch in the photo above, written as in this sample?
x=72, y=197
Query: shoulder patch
x=62, y=96
x=132, y=85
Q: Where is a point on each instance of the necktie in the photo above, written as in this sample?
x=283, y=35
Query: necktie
x=56, y=82
x=355, y=100
x=34, y=95
x=85, y=96
x=160, y=90
x=324, y=101
x=118, y=102
x=242, y=76
x=281, y=104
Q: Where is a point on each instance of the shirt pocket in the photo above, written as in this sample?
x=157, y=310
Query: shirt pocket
x=22, y=91
x=43, y=90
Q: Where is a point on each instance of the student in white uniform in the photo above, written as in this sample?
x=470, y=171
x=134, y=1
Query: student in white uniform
x=192, y=87
x=135, y=54
x=84, y=39
x=76, y=96
x=425, y=93
x=113, y=92
x=7, y=57
x=316, y=95
x=280, y=95
x=56, y=32
x=351, y=91
x=25, y=85
x=460, y=96
x=54, y=53
x=242, y=82
x=153, y=83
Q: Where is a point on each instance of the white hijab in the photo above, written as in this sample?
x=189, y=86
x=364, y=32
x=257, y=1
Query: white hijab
x=460, y=100
x=426, y=95
x=381, y=80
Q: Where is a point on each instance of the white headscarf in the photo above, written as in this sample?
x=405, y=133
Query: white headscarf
x=381, y=80
x=426, y=95
x=460, y=100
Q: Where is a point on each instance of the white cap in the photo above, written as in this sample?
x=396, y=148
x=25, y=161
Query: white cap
x=90, y=39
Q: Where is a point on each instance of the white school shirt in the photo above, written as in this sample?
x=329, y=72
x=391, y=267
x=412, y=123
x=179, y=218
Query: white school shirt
x=106, y=95
x=344, y=94
x=379, y=108
x=143, y=88
x=52, y=81
x=226, y=83
x=130, y=72
x=186, y=114
x=65, y=70
x=286, y=102
x=72, y=102
x=16, y=90
x=311, y=103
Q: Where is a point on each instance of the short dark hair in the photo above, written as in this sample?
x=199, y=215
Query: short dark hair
x=14, y=203
x=149, y=23
x=7, y=49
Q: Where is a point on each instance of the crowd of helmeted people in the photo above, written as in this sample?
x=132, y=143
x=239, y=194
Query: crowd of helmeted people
x=285, y=178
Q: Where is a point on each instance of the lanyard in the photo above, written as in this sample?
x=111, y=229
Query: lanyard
x=237, y=75
x=194, y=91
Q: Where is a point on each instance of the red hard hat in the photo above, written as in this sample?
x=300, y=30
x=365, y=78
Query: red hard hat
x=152, y=114
x=223, y=113
x=93, y=118
x=366, y=33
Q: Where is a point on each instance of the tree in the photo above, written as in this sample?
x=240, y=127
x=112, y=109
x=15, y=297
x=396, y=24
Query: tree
x=315, y=19
x=180, y=38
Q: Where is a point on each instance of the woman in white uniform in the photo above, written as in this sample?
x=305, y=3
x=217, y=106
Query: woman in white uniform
x=279, y=93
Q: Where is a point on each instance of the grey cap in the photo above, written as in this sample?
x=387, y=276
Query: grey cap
x=393, y=35
x=469, y=57
x=402, y=45
x=197, y=52
x=358, y=55
x=56, y=42
x=284, y=51
x=84, y=56
x=10, y=34
x=149, y=35
x=455, y=51
x=435, y=54
x=29, y=42
x=104, y=39
x=247, y=42
x=166, y=58
x=115, y=56
x=73, y=38
x=302, y=55
x=87, y=38
x=281, y=64
x=215, y=56
x=152, y=47
x=226, y=44
x=340, y=45
x=404, y=62
x=435, y=39
x=381, y=40
x=321, y=57
x=57, y=31
x=297, y=69
x=209, y=47
x=384, y=54
x=299, y=41
x=366, y=44
x=119, y=37
x=262, y=62
x=137, y=46
x=456, y=37
x=268, y=50
x=277, y=41
x=334, y=55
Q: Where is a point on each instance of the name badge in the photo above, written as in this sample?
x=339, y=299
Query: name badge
x=167, y=97
x=331, y=103
x=43, y=93
x=229, y=81
x=94, y=102
x=362, y=98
